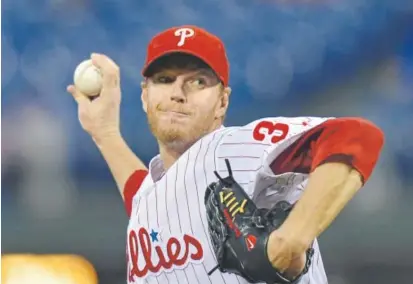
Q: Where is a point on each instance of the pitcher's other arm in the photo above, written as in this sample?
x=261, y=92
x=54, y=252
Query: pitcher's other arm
x=340, y=155
x=343, y=155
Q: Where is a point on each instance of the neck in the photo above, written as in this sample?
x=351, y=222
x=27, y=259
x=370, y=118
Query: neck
x=171, y=151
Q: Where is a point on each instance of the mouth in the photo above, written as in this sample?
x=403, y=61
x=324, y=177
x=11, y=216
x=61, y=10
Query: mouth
x=175, y=113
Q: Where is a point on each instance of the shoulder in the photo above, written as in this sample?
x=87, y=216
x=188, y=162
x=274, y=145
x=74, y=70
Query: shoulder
x=257, y=138
x=294, y=122
x=271, y=130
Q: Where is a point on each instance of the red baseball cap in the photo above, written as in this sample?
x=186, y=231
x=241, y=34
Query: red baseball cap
x=190, y=40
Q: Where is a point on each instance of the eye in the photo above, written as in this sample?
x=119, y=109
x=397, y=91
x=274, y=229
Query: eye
x=198, y=83
x=164, y=79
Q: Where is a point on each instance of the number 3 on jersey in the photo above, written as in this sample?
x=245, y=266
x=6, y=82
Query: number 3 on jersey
x=265, y=128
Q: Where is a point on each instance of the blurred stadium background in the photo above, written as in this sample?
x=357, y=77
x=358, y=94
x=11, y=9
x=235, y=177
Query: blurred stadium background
x=327, y=58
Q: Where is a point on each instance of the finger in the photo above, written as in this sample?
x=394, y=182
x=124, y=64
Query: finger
x=77, y=95
x=109, y=69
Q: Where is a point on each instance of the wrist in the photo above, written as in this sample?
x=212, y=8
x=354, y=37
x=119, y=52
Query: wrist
x=108, y=139
x=286, y=255
x=298, y=243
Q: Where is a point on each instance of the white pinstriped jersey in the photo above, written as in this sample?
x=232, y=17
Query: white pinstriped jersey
x=167, y=239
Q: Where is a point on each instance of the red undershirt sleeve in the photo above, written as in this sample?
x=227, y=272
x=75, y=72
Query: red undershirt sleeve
x=353, y=141
x=132, y=186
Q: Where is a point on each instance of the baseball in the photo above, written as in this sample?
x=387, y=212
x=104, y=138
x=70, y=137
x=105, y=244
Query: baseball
x=88, y=78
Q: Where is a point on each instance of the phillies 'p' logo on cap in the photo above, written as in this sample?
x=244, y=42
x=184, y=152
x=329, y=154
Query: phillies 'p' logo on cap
x=191, y=40
x=184, y=33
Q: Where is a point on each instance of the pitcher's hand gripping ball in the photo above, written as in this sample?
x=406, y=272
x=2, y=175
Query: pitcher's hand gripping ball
x=239, y=232
x=88, y=78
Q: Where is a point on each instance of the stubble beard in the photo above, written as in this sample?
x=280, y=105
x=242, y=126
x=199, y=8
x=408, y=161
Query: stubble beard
x=178, y=138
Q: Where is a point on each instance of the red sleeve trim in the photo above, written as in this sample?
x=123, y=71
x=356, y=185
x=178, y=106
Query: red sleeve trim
x=352, y=141
x=132, y=186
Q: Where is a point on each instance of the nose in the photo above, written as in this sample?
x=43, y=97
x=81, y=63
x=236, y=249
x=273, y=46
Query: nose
x=178, y=93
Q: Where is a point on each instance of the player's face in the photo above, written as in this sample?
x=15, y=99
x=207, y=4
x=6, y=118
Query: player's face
x=182, y=105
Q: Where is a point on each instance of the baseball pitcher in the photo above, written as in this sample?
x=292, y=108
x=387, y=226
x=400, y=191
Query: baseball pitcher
x=223, y=205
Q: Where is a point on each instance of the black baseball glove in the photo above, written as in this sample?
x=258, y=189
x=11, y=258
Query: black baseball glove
x=239, y=232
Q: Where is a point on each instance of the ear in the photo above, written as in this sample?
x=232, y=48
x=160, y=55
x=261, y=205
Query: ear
x=223, y=103
x=144, y=96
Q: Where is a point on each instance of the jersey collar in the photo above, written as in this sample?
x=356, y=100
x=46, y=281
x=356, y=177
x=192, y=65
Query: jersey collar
x=156, y=168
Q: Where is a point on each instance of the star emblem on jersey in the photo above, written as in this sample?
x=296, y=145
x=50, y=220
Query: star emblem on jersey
x=154, y=236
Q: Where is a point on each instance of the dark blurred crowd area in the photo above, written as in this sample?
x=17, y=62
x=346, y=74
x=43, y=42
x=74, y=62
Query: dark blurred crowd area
x=288, y=58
